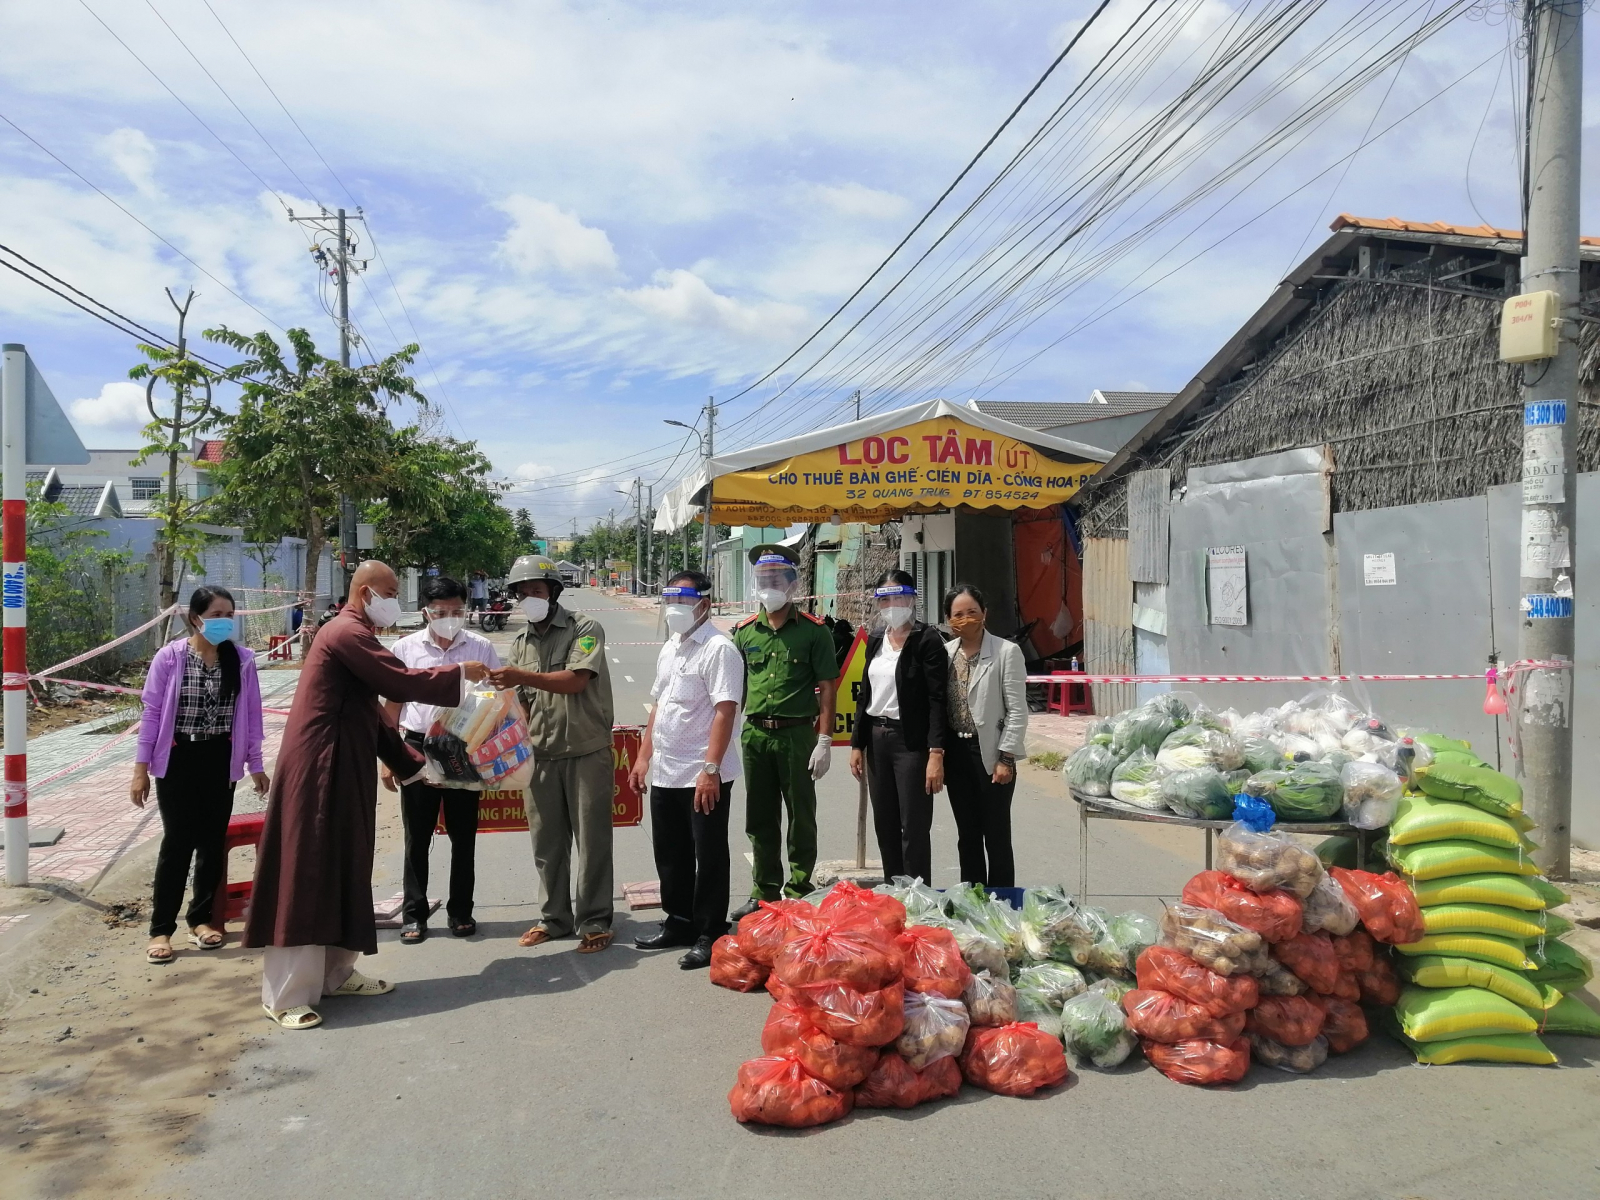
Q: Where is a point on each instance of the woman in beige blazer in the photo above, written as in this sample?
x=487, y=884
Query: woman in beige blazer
x=987, y=732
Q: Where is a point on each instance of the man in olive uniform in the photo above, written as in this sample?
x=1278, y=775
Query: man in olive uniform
x=790, y=675
x=559, y=663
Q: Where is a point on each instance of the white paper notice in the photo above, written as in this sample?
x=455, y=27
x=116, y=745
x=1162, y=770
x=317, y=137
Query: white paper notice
x=1543, y=465
x=1227, y=585
x=1377, y=570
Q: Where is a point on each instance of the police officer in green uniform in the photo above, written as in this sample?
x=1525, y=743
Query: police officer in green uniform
x=790, y=675
x=559, y=664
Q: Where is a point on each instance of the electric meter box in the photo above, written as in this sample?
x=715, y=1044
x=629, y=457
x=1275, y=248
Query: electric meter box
x=1530, y=325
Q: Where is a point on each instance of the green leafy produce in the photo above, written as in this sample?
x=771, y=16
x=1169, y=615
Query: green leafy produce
x=1055, y=983
x=1131, y=932
x=924, y=906
x=998, y=922
x=1031, y=1006
x=1145, y=727
x=1263, y=784
x=1260, y=754
x=1137, y=780
x=1089, y=769
x=1095, y=1029
x=1099, y=733
x=1202, y=792
x=1312, y=792
x=1111, y=987
x=1173, y=705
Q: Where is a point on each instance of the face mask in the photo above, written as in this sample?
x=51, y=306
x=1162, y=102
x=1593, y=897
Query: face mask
x=960, y=625
x=897, y=615
x=536, y=608
x=216, y=630
x=447, y=627
x=680, y=618
x=772, y=599
x=382, y=611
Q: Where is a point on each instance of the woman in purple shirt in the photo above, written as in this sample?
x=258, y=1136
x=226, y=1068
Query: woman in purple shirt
x=201, y=727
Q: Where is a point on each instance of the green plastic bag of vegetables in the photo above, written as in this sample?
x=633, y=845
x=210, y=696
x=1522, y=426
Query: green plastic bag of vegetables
x=1095, y=1030
x=1054, y=983
x=1089, y=769
x=1312, y=792
x=1202, y=793
x=1099, y=733
x=1145, y=727
x=1260, y=754
x=1173, y=705
x=1137, y=781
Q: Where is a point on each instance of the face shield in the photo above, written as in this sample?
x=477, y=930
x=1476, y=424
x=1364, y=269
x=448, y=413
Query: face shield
x=896, y=604
x=773, y=581
x=683, y=608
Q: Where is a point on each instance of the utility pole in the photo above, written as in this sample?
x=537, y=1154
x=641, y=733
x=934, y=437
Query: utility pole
x=857, y=399
x=1550, y=418
x=711, y=449
x=650, y=535
x=179, y=425
x=340, y=265
x=638, y=534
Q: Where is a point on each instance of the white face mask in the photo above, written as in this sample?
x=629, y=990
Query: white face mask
x=897, y=615
x=681, y=618
x=447, y=627
x=772, y=599
x=382, y=611
x=536, y=608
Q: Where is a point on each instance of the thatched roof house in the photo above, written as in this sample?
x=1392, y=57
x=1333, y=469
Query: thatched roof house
x=1383, y=345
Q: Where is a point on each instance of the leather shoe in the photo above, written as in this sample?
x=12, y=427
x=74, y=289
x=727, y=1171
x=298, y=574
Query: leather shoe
x=750, y=906
x=698, y=957
x=664, y=938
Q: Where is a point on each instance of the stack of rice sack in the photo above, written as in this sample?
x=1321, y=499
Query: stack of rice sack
x=871, y=1013
x=1489, y=974
x=1270, y=958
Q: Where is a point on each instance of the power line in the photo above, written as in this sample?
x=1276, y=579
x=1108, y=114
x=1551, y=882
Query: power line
x=76, y=304
x=125, y=212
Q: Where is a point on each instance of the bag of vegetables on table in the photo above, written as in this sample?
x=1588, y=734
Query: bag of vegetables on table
x=1313, y=791
x=1089, y=769
x=1142, y=728
x=1194, y=746
x=1202, y=792
x=1095, y=1030
x=1371, y=794
x=1137, y=781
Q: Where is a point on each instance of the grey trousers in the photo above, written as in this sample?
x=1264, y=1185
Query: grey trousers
x=569, y=800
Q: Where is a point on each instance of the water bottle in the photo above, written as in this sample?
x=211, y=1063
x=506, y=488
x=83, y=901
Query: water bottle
x=1074, y=664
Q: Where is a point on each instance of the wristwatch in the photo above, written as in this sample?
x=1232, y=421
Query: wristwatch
x=710, y=768
x=1010, y=760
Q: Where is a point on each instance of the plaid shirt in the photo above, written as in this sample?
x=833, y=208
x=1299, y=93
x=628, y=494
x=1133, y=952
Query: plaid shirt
x=202, y=712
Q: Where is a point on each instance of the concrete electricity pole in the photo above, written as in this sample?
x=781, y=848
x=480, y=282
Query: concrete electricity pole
x=711, y=449
x=638, y=535
x=650, y=535
x=1550, y=420
x=340, y=264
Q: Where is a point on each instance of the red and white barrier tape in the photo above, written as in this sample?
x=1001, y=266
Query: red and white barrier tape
x=1085, y=677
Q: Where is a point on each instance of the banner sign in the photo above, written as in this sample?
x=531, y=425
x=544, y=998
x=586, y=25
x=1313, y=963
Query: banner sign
x=506, y=811
x=924, y=467
x=849, y=689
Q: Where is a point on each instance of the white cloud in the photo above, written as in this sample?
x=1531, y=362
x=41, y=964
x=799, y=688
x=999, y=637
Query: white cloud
x=117, y=412
x=682, y=298
x=859, y=200
x=134, y=154
x=543, y=237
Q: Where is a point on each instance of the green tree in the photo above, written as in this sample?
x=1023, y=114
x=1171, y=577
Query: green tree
x=526, y=533
x=307, y=429
x=74, y=582
x=439, y=508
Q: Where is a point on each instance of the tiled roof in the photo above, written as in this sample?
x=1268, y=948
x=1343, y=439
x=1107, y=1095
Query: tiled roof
x=210, y=451
x=89, y=500
x=1044, y=414
x=1346, y=221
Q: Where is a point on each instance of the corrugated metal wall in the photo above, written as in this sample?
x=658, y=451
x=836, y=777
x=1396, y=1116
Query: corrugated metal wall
x=1108, y=621
x=1149, y=502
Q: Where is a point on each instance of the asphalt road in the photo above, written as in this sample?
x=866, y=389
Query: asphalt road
x=494, y=1071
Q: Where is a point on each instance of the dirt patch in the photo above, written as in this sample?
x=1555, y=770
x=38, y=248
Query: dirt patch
x=47, y=718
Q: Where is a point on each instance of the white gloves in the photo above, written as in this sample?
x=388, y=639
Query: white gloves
x=821, y=757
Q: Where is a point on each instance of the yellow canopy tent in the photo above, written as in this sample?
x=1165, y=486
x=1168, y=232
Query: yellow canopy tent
x=926, y=458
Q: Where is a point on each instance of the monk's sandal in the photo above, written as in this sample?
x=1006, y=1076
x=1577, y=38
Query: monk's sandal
x=301, y=1017
x=362, y=985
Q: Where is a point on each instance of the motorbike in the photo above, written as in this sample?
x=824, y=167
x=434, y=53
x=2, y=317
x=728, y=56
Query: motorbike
x=493, y=619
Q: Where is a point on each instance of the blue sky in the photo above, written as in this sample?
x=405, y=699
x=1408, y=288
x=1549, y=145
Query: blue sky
x=597, y=215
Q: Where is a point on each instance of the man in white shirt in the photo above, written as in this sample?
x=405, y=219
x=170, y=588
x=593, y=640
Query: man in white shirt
x=689, y=758
x=445, y=639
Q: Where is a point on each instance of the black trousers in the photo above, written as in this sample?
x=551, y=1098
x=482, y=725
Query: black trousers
x=195, y=797
x=902, y=810
x=692, y=859
x=982, y=810
x=419, y=811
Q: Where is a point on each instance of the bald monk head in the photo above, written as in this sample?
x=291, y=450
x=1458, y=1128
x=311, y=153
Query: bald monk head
x=372, y=578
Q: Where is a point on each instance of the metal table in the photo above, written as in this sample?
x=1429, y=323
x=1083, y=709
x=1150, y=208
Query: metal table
x=1106, y=808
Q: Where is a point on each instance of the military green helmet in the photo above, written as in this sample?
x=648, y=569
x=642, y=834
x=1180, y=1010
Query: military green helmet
x=531, y=568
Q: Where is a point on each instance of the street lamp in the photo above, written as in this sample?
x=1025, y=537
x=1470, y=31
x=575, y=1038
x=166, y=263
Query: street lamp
x=705, y=454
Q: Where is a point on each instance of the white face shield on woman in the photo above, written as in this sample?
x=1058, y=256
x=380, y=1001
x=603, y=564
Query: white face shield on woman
x=896, y=604
x=684, y=607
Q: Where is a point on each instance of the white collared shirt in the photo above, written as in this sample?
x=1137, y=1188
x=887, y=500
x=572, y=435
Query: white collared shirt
x=419, y=650
x=885, y=688
x=694, y=673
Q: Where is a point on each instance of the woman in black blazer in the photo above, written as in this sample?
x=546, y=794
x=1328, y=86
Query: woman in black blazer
x=898, y=741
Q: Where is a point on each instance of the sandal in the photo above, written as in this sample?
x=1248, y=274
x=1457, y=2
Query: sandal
x=207, y=941
x=537, y=936
x=362, y=985
x=413, y=932
x=153, y=954
x=593, y=943
x=301, y=1017
x=464, y=928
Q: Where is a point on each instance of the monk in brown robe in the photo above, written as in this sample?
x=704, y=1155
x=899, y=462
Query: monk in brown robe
x=311, y=906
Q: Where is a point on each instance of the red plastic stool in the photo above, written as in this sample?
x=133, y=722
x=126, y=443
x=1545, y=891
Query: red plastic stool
x=281, y=646
x=1073, y=696
x=243, y=830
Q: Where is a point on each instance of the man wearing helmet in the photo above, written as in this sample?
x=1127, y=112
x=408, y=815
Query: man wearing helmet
x=790, y=674
x=558, y=663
